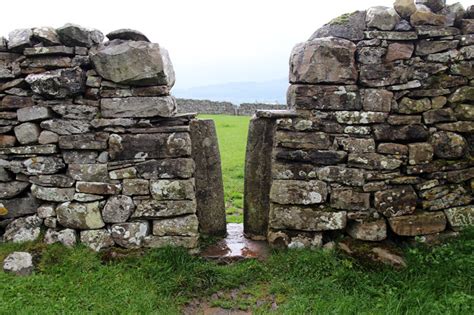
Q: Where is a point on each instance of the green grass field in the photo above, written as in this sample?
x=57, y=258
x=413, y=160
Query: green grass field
x=437, y=280
x=232, y=133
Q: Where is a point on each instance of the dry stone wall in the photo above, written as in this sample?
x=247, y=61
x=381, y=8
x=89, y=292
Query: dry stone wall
x=383, y=142
x=91, y=147
x=223, y=108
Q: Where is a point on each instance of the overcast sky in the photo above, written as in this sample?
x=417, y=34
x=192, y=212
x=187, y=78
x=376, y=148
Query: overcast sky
x=210, y=41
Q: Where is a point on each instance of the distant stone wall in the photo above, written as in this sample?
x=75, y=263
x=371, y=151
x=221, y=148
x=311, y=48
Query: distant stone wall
x=223, y=108
x=206, y=107
x=380, y=140
x=91, y=147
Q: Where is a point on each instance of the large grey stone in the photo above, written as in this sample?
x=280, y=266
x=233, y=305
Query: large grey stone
x=348, y=199
x=298, y=192
x=19, y=39
x=435, y=5
x=418, y=224
x=59, y=83
x=12, y=189
x=133, y=63
x=91, y=141
x=208, y=178
x=151, y=209
x=151, y=146
x=97, y=239
x=43, y=165
x=130, y=234
x=118, y=209
x=136, y=107
x=324, y=97
x=82, y=216
x=350, y=26
x=76, y=111
x=305, y=219
x=448, y=145
x=167, y=168
x=405, y=8
x=33, y=113
x=75, y=35
x=24, y=229
x=460, y=217
x=324, y=60
x=17, y=207
x=382, y=18
x=127, y=34
x=179, y=226
x=52, y=193
x=88, y=172
x=46, y=35
x=19, y=263
x=396, y=202
x=67, y=237
x=27, y=133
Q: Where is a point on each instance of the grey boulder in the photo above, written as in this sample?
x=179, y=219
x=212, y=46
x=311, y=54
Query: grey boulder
x=75, y=35
x=134, y=63
x=24, y=229
x=59, y=83
x=127, y=34
x=18, y=263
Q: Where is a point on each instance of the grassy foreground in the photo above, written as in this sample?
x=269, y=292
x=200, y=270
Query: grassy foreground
x=437, y=281
x=232, y=133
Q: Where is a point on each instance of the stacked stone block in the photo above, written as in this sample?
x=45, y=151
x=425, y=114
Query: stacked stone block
x=383, y=145
x=91, y=147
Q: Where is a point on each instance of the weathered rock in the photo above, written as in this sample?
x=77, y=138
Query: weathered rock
x=392, y=148
x=427, y=18
x=19, y=263
x=390, y=35
x=14, y=102
x=83, y=197
x=324, y=97
x=19, y=39
x=127, y=34
x=317, y=157
x=93, y=141
x=434, y=5
x=43, y=165
x=459, y=126
x=442, y=197
x=305, y=219
x=382, y=18
x=124, y=173
x=118, y=209
x=97, y=239
x=438, y=115
x=298, y=192
x=465, y=93
x=460, y=217
x=163, y=106
x=302, y=140
x=405, y=8
x=27, y=133
x=98, y=188
x=376, y=100
x=189, y=242
x=399, y=51
x=133, y=63
x=46, y=35
x=420, y=153
x=371, y=55
x=467, y=26
x=12, y=189
x=373, y=161
x=348, y=199
x=357, y=145
x=349, y=26
x=179, y=226
x=82, y=216
x=150, y=209
x=418, y=224
x=17, y=207
x=413, y=132
x=75, y=35
x=172, y=189
x=412, y=106
x=88, y=172
x=378, y=75
x=67, y=237
x=33, y=113
x=48, y=137
x=133, y=187
x=76, y=111
x=325, y=60
x=464, y=112
x=354, y=118
x=448, y=145
x=46, y=211
x=59, y=83
x=426, y=47
x=342, y=175
x=31, y=149
x=389, y=258
x=166, y=169
x=7, y=141
x=130, y=234
x=375, y=230
x=24, y=229
x=396, y=202
x=151, y=146
x=52, y=193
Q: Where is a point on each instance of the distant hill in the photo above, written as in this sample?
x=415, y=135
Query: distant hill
x=273, y=92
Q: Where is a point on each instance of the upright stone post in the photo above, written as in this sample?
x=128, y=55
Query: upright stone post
x=208, y=176
x=258, y=162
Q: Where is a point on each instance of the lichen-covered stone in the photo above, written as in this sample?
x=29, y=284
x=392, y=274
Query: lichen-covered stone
x=27, y=133
x=348, y=199
x=134, y=63
x=130, y=234
x=98, y=188
x=172, y=189
x=19, y=263
x=118, y=209
x=326, y=60
x=151, y=209
x=305, y=219
x=448, y=145
x=382, y=18
x=418, y=224
x=420, y=153
x=24, y=229
x=12, y=189
x=405, y=8
x=52, y=193
x=373, y=161
x=350, y=26
x=179, y=226
x=75, y=35
x=298, y=192
x=375, y=230
x=136, y=186
x=460, y=217
x=166, y=169
x=376, y=100
x=97, y=239
x=396, y=202
x=342, y=175
x=324, y=97
x=137, y=107
x=59, y=83
x=82, y=216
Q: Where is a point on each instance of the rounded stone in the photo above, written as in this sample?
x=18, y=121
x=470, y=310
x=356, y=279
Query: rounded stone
x=448, y=145
x=118, y=209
